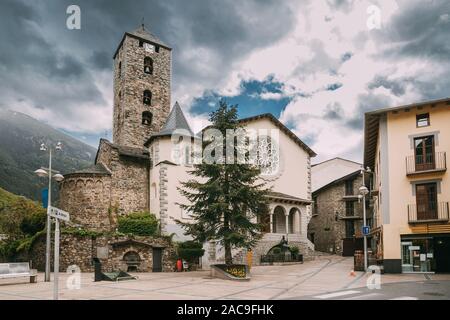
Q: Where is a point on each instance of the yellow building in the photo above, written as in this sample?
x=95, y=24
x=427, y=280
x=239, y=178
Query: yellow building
x=406, y=149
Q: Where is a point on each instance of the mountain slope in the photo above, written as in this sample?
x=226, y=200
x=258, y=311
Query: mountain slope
x=13, y=210
x=20, y=140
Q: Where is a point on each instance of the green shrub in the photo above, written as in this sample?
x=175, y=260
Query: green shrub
x=294, y=250
x=8, y=250
x=81, y=232
x=34, y=223
x=139, y=224
x=190, y=251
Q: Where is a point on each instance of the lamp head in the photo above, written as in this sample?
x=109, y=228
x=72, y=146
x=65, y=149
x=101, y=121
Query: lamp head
x=363, y=190
x=59, y=146
x=41, y=173
x=43, y=147
x=58, y=177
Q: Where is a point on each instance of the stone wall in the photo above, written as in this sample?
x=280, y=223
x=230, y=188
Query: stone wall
x=263, y=247
x=80, y=250
x=87, y=198
x=130, y=184
x=129, y=86
x=327, y=225
x=94, y=201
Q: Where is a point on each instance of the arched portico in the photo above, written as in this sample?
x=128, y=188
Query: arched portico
x=283, y=220
x=295, y=221
x=279, y=221
x=287, y=215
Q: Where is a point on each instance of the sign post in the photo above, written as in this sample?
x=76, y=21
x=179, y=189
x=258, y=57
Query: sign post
x=58, y=214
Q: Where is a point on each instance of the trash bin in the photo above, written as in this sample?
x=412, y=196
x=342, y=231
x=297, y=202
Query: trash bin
x=98, y=275
x=359, y=260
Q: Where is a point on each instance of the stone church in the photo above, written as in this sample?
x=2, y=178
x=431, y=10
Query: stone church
x=136, y=172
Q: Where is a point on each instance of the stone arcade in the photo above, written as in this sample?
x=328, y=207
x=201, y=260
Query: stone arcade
x=136, y=172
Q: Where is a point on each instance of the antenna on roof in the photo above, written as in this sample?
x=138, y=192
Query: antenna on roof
x=143, y=24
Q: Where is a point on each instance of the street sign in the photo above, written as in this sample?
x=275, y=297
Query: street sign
x=366, y=230
x=58, y=214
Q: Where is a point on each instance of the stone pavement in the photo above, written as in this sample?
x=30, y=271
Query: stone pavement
x=412, y=290
x=323, y=275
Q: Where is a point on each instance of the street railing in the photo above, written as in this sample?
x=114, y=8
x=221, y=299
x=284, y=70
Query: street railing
x=271, y=258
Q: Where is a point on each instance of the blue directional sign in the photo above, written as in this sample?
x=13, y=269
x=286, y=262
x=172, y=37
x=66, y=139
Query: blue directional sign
x=44, y=197
x=366, y=230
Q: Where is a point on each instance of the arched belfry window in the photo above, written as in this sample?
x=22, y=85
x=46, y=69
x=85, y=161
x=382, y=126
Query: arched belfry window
x=147, y=97
x=147, y=118
x=148, y=65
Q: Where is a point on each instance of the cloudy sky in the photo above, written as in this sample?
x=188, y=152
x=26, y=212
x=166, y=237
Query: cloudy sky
x=316, y=65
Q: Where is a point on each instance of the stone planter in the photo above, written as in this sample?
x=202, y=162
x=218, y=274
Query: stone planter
x=225, y=272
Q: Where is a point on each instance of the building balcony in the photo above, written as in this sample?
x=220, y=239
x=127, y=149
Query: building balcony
x=430, y=163
x=350, y=197
x=428, y=212
x=351, y=217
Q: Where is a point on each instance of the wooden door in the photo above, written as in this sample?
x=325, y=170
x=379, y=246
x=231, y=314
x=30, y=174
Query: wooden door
x=424, y=153
x=157, y=260
x=348, y=247
x=426, y=200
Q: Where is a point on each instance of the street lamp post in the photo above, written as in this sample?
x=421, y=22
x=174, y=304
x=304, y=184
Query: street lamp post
x=43, y=172
x=363, y=192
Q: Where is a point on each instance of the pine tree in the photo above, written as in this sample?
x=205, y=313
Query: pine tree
x=226, y=198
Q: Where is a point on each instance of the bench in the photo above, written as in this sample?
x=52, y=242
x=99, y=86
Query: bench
x=17, y=270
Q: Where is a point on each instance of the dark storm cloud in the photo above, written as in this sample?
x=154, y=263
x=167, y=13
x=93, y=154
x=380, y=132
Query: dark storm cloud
x=341, y=4
x=397, y=87
x=47, y=65
x=35, y=69
x=421, y=29
x=101, y=60
x=334, y=111
x=366, y=103
x=418, y=30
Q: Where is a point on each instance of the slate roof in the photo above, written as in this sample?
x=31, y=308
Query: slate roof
x=132, y=152
x=142, y=33
x=283, y=128
x=145, y=34
x=96, y=169
x=175, y=121
x=282, y=197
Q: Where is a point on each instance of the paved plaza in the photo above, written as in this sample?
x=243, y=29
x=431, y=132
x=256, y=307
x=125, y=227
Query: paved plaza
x=326, y=277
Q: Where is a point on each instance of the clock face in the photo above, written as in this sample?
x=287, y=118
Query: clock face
x=149, y=47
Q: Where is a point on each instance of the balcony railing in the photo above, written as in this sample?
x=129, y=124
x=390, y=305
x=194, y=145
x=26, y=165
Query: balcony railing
x=428, y=212
x=432, y=162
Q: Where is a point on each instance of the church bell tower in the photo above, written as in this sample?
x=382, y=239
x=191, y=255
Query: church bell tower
x=142, y=74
